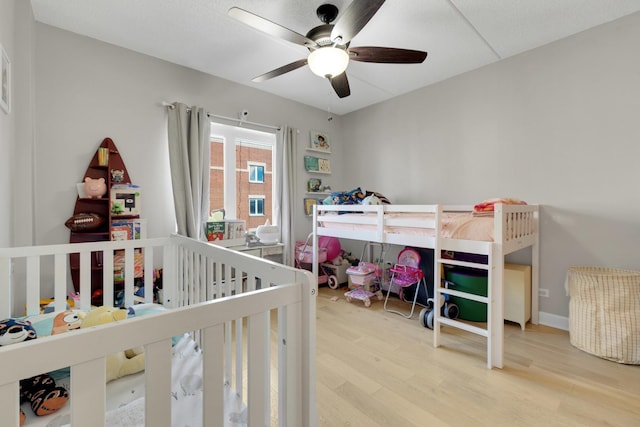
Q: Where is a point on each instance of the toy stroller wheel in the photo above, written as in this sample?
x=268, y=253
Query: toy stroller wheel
x=451, y=311
x=333, y=282
x=430, y=319
x=379, y=295
x=422, y=317
x=367, y=302
x=348, y=299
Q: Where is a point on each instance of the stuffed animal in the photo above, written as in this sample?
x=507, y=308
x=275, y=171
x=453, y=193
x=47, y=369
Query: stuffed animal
x=124, y=362
x=40, y=391
x=66, y=321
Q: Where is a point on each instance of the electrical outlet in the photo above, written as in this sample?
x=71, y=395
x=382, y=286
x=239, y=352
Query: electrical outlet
x=543, y=293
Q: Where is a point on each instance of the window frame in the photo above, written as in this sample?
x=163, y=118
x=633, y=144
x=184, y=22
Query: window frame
x=260, y=198
x=259, y=166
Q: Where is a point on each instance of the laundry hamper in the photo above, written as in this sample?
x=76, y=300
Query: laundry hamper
x=604, y=312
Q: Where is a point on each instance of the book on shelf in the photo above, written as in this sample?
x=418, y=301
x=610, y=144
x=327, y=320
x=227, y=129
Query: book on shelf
x=235, y=229
x=225, y=229
x=324, y=165
x=215, y=230
x=313, y=185
x=128, y=229
x=121, y=232
x=125, y=199
x=311, y=163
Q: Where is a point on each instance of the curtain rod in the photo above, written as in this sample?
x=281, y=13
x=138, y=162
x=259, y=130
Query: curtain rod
x=232, y=119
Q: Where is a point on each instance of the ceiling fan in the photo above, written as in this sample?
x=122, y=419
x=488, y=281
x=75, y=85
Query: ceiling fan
x=328, y=44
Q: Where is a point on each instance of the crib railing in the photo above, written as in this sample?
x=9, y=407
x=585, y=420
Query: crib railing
x=225, y=299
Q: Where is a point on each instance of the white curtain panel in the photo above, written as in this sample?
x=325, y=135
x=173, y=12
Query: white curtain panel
x=189, y=148
x=286, y=151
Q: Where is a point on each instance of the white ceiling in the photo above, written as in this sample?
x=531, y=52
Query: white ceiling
x=459, y=36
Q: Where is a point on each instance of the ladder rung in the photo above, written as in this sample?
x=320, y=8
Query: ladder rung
x=465, y=326
x=465, y=295
x=463, y=263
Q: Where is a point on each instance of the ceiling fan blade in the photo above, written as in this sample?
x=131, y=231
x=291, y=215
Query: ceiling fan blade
x=386, y=55
x=281, y=70
x=271, y=28
x=341, y=85
x=354, y=18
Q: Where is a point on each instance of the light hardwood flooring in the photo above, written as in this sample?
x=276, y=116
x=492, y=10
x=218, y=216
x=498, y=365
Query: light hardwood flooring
x=376, y=368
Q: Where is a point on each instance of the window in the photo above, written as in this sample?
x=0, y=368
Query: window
x=256, y=205
x=241, y=173
x=256, y=172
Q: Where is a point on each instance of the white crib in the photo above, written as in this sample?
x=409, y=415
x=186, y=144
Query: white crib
x=225, y=299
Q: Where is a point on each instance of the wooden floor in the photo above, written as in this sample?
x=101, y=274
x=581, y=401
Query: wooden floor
x=378, y=369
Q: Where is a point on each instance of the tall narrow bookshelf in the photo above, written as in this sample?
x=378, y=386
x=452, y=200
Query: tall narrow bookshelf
x=108, y=164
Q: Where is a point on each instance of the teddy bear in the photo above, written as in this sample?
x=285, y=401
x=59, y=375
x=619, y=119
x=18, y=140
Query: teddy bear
x=41, y=391
x=121, y=363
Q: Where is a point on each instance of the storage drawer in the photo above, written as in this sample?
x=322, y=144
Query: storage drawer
x=517, y=293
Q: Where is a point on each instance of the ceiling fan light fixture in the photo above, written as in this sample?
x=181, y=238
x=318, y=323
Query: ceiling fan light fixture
x=328, y=61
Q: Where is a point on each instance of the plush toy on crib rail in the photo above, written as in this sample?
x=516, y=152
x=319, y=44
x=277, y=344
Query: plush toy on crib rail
x=41, y=391
x=121, y=363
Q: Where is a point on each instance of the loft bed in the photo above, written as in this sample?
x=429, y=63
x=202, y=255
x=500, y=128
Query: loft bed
x=509, y=228
x=210, y=348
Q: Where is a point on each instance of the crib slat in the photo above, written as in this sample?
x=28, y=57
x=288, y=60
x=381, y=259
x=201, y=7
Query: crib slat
x=148, y=278
x=107, y=278
x=9, y=401
x=60, y=281
x=85, y=280
x=6, y=288
x=129, y=276
x=213, y=373
x=257, y=399
x=158, y=381
x=239, y=350
x=88, y=409
x=33, y=285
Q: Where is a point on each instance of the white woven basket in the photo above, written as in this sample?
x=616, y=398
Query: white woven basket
x=604, y=312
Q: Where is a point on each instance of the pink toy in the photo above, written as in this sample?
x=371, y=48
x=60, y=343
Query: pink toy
x=95, y=187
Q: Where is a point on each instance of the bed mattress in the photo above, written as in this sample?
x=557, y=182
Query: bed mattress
x=456, y=225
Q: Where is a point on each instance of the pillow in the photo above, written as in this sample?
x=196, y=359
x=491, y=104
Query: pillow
x=488, y=205
x=371, y=200
x=84, y=222
x=382, y=198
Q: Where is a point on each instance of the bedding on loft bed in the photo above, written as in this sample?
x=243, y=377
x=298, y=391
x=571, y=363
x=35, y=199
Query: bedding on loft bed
x=215, y=325
x=492, y=229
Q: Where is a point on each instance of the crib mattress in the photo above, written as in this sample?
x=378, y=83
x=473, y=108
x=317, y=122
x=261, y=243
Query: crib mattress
x=125, y=396
x=455, y=225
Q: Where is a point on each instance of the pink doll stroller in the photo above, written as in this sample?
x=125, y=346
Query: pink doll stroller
x=365, y=279
x=328, y=249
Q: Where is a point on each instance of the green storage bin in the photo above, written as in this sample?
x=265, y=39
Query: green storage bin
x=472, y=282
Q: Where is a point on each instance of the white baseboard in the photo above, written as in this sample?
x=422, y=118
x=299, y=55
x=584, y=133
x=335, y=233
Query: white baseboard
x=554, y=321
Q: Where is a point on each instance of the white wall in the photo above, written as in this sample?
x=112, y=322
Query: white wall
x=554, y=126
x=88, y=90
x=6, y=128
x=557, y=126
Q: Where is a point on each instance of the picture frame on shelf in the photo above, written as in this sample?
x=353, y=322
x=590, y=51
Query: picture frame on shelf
x=320, y=141
x=309, y=203
x=5, y=88
x=314, y=185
